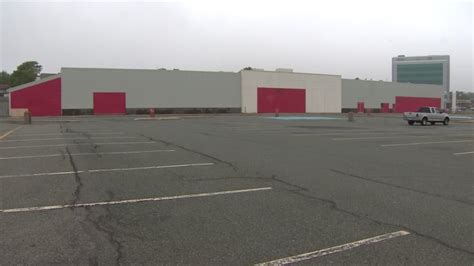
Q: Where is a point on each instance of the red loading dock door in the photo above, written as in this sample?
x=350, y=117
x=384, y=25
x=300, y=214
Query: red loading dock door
x=411, y=104
x=271, y=100
x=108, y=103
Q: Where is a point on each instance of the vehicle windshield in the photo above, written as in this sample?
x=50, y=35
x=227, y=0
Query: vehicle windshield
x=424, y=110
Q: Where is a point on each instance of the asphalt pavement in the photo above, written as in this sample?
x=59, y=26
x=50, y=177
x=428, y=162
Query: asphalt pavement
x=236, y=190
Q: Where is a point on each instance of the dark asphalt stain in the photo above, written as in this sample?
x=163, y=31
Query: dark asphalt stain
x=402, y=187
x=193, y=151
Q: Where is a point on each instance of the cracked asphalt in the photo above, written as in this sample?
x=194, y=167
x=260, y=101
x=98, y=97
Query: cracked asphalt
x=332, y=182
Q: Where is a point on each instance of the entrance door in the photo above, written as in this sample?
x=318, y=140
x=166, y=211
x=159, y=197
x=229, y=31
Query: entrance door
x=109, y=103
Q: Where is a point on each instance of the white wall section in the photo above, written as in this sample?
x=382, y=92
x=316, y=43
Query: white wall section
x=323, y=92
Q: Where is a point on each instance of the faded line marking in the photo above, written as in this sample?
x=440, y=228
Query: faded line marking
x=157, y=118
x=66, y=138
x=9, y=132
x=109, y=170
x=82, y=205
x=82, y=144
x=463, y=153
x=336, y=249
x=67, y=133
x=82, y=154
x=148, y=167
x=426, y=143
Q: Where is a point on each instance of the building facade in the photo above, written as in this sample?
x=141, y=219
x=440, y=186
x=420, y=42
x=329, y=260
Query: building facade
x=98, y=91
x=289, y=92
x=431, y=69
x=359, y=95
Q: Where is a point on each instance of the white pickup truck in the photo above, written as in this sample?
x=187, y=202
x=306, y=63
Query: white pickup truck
x=426, y=114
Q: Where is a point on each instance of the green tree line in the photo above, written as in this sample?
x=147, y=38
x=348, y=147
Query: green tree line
x=24, y=73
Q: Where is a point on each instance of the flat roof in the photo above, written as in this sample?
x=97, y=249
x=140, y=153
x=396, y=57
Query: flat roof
x=144, y=69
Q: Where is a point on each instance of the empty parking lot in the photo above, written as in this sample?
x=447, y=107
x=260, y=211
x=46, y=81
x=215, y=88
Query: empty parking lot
x=236, y=190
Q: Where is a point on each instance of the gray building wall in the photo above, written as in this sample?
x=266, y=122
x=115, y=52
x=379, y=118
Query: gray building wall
x=151, y=88
x=373, y=93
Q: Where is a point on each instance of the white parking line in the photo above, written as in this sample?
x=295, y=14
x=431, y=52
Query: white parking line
x=426, y=143
x=369, y=138
x=108, y=170
x=81, y=144
x=157, y=118
x=336, y=249
x=148, y=167
x=65, y=133
x=463, y=153
x=65, y=138
x=82, y=154
x=9, y=132
x=82, y=205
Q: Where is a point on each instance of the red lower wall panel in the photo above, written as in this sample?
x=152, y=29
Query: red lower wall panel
x=271, y=100
x=360, y=107
x=411, y=104
x=42, y=99
x=107, y=103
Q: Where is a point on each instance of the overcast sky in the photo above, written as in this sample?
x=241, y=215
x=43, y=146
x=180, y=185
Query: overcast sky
x=351, y=39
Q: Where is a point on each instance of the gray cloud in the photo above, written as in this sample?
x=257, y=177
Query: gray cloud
x=355, y=40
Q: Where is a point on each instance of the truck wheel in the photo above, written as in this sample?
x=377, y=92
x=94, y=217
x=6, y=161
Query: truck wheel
x=446, y=121
x=411, y=123
x=424, y=121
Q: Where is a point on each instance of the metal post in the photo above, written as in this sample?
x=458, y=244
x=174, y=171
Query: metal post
x=350, y=116
x=152, y=112
x=27, y=117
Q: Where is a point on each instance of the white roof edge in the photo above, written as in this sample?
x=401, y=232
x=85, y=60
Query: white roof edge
x=144, y=69
x=300, y=73
x=22, y=86
x=395, y=82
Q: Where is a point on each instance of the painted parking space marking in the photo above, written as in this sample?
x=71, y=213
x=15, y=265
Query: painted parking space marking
x=9, y=132
x=76, y=144
x=108, y=170
x=129, y=201
x=426, y=143
x=65, y=133
x=66, y=138
x=336, y=249
x=464, y=153
x=82, y=154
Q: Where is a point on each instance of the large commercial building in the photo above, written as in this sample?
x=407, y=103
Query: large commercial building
x=431, y=69
x=132, y=91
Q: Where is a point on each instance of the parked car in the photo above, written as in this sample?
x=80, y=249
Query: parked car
x=426, y=114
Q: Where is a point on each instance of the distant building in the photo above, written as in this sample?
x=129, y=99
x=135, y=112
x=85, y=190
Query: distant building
x=45, y=75
x=430, y=69
x=3, y=89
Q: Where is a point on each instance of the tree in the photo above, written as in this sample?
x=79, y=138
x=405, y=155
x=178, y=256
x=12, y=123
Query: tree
x=24, y=73
x=4, y=78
